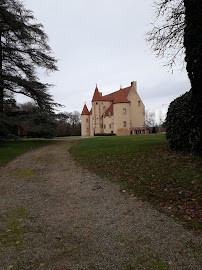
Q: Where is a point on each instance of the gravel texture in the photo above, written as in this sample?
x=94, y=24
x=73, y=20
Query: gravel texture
x=78, y=220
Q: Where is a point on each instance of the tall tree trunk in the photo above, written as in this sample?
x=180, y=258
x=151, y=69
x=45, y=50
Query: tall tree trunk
x=1, y=79
x=193, y=47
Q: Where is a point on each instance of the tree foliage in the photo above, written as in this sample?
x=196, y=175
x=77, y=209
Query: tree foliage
x=180, y=31
x=193, y=50
x=27, y=120
x=182, y=133
x=23, y=49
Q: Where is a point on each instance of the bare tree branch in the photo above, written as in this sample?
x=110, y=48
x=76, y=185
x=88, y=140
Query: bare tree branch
x=167, y=34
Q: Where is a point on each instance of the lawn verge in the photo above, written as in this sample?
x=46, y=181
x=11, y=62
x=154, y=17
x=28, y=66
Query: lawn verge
x=11, y=149
x=147, y=167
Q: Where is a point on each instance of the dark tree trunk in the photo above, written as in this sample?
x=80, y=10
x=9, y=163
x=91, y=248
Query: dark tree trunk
x=1, y=79
x=193, y=50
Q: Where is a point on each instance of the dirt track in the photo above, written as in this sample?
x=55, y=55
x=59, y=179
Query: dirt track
x=55, y=214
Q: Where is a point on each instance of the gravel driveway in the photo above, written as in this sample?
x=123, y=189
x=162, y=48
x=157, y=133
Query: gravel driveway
x=54, y=214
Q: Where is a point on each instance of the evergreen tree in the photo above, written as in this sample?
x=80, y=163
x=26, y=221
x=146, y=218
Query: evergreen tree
x=23, y=48
x=193, y=51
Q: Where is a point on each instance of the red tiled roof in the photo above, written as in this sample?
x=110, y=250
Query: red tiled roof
x=116, y=97
x=96, y=95
x=85, y=110
x=109, y=110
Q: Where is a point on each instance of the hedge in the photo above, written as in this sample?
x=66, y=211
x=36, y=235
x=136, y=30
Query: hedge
x=181, y=131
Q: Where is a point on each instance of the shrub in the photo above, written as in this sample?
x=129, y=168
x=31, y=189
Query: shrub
x=8, y=129
x=105, y=134
x=181, y=131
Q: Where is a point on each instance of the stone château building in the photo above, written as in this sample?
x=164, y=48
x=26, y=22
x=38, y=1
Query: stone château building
x=121, y=112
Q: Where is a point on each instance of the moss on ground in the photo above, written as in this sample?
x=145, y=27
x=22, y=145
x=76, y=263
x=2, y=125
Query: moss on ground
x=11, y=233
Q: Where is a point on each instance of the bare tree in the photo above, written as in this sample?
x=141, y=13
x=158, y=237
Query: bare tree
x=167, y=34
x=177, y=30
x=150, y=119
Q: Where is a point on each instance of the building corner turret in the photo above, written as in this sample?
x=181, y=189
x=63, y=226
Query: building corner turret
x=85, y=122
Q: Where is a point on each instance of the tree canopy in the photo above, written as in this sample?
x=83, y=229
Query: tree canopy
x=23, y=49
x=176, y=31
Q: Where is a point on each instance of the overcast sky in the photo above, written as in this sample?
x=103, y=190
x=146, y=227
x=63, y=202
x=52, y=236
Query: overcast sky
x=103, y=42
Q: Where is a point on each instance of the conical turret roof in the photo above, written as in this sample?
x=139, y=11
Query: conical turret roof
x=85, y=111
x=97, y=96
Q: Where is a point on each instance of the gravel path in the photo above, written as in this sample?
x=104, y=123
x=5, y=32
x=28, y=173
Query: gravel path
x=54, y=214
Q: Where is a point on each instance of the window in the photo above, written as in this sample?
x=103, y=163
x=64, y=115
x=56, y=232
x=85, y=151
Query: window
x=96, y=103
x=104, y=126
x=86, y=120
x=101, y=125
x=124, y=110
x=124, y=123
x=139, y=103
x=110, y=114
x=110, y=126
x=104, y=108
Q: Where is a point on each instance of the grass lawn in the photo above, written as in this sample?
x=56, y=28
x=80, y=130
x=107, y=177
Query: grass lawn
x=146, y=166
x=11, y=149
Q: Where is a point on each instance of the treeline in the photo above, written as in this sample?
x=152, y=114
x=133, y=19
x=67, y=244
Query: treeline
x=155, y=122
x=28, y=121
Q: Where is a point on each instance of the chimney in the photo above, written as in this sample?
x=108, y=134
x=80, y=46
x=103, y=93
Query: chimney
x=134, y=84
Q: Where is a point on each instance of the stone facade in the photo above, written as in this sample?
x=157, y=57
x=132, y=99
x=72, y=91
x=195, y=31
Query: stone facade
x=121, y=112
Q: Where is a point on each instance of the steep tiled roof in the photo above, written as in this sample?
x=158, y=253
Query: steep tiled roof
x=85, y=110
x=121, y=95
x=109, y=110
x=96, y=95
x=116, y=97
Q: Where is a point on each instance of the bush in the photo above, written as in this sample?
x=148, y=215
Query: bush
x=8, y=129
x=105, y=134
x=181, y=131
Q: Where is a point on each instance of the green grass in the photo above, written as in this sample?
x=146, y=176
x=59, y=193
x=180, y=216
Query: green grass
x=11, y=149
x=146, y=166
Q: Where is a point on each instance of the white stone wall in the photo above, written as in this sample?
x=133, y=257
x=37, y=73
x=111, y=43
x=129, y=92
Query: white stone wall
x=96, y=113
x=104, y=106
x=107, y=121
x=91, y=125
x=98, y=109
x=85, y=125
x=137, y=109
x=120, y=117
